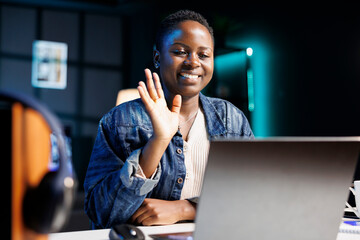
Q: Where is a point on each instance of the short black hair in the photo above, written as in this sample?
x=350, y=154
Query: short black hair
x=170, y=23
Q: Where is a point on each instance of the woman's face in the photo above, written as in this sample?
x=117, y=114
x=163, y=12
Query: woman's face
x=186, y=59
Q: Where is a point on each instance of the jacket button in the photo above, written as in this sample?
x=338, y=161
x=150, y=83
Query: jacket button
x=179, y=151
x=180, y=180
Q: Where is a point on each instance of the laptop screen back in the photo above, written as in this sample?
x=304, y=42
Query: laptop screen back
x=285, y=188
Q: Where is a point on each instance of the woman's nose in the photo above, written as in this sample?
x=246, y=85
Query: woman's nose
x=192, y=61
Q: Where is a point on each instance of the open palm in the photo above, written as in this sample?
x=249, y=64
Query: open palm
x=165, y=121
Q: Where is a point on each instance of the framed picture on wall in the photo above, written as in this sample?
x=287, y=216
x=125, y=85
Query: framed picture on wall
x=49, y=64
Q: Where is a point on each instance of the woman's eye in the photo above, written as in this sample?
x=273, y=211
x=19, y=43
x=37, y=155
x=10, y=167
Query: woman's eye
x=180, y=52
x=202, y=56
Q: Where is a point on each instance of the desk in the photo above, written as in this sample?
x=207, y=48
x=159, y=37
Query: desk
x=103, y=234
x=180, y=227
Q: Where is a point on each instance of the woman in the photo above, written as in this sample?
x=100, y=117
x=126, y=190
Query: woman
x=150, y=154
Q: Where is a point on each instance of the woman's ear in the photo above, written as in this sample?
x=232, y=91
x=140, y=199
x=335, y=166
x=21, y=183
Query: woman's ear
x=156, y=58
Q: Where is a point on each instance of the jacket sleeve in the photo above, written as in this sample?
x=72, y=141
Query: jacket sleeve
x=245, y=126
x=237, y=123
x=112, y=191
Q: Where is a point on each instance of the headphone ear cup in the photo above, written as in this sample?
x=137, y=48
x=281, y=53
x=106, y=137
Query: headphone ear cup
x=40, y=204
x=46, y=207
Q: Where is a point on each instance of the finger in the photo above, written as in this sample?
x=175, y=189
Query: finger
x=143, y=218
x=149, y=221
x=150, y=85
x=176, y=105
x=142, y=214
x=141, y=210
x=158, y=86
x=143, y=90
x=144, y=95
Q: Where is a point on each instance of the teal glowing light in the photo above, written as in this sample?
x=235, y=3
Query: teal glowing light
x=250, y=83
x=249, y=51
x=259, y=82
x=231, y=74
x=229, y=64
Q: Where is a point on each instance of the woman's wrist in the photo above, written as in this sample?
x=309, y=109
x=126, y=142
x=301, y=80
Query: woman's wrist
x=187, y=210
x=161, y=141
x=151, y=154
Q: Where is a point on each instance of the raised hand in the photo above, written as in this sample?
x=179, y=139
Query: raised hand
x=165, y=121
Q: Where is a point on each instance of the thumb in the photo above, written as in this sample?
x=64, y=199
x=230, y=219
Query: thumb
x=176, y=104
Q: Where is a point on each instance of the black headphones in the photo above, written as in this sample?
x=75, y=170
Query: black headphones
x=47, y=206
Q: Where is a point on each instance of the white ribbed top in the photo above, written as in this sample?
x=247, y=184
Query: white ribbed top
x=196, y=151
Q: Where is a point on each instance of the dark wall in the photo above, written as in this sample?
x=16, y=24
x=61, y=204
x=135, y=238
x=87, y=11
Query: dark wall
x=311, y=81
x=316, y=77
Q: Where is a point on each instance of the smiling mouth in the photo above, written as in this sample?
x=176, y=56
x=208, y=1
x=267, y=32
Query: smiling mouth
x=189, y=76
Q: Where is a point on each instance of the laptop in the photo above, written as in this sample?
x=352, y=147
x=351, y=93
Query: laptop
x=280, y=188
x=277, y=188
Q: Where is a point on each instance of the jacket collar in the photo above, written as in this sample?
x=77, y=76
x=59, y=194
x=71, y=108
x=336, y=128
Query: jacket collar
x=214, y=122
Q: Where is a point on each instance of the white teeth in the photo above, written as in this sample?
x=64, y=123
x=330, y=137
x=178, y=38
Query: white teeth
x=189, y=75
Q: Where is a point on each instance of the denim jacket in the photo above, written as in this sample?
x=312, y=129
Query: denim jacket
x=112, y=191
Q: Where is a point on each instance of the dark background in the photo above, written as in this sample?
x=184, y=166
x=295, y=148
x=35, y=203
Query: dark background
x=306, y=61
